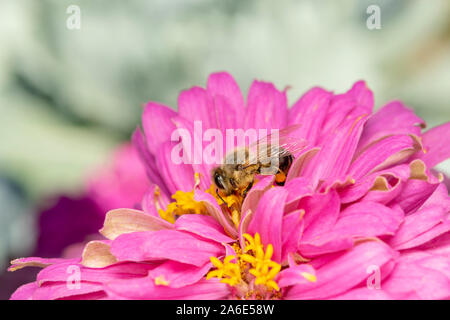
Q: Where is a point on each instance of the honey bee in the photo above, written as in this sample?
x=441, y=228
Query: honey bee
x=237, y=173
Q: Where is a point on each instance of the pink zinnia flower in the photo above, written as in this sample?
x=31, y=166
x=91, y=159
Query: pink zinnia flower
x=361, y=216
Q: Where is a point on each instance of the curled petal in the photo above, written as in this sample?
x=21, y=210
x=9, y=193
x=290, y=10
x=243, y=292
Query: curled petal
x=120, y=221
x=177, y=275
x=20, y=263
x=215, y=211
x=437, y=148
x=97, y=254
x=392, y=119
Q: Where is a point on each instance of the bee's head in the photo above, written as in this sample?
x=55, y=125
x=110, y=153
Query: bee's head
x=222, y=182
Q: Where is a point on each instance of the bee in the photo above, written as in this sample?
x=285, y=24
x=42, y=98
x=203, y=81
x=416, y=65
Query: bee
x=237, y=173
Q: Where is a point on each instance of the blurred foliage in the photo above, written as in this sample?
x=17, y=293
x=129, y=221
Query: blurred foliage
x=67, y=97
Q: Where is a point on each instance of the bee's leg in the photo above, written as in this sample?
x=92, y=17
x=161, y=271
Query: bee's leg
x=247, y=189
x=218, y=194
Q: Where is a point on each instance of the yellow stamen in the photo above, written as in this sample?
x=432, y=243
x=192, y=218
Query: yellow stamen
x=263, y=269
x=184, y=204
x=229, y=272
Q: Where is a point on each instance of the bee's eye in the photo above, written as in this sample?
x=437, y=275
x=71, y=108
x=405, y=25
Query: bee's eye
x=233, y=182
x=218, y=180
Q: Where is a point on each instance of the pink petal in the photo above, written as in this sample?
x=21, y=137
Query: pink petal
x=300, y=163
x=294, y=275
x=298, y=188
x=61, y=290
x=361, y=220
x=267, y=220
x=177, y=176
x=24, y=292
x=310, y=111
x=215, y=211
x=194, y=149
x=363, y=293
x=266, y=107
x=333, y=160
x=414, y=194
x=153, y=200
x=321, y=213
x=165, y=244
x=436, y=145
x=382, y=154
x=363, y=95
x=356, y=102
x=125, y=270
x=204, y=226
x=255, y=194
x=439, y=245
x=368, y=219
x=420, y=222
x=392, y=119
x=157, y=124
x=143, y=289
x=292, y=233
x=344, y=272
x=195, y=104
x=226, y=93
x=177, y=274
x=246, y=218
x=419, y=278
x=394, y=176
x=148, y=160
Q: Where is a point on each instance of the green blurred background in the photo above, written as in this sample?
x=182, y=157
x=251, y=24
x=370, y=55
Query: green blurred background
x=68, y=97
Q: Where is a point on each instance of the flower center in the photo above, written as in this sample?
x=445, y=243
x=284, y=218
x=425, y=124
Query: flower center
x=185, y=204
x=251, y=273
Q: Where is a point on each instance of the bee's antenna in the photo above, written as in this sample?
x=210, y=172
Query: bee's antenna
x=217, y=192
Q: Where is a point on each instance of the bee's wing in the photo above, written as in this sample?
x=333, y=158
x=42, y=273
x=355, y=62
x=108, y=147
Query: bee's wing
x=271, y=148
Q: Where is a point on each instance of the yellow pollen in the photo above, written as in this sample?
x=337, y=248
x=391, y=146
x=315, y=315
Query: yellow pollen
x=308, y=276
x=184, y=204
x=160, y=281
x=234, y=203
x=230, y=200
x=256, y=261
